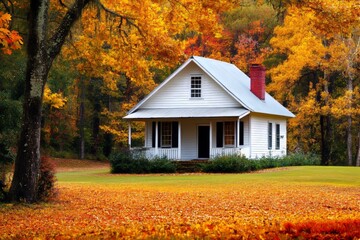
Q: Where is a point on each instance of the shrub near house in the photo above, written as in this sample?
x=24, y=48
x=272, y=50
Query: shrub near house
x=130, y=162
x=127, y=162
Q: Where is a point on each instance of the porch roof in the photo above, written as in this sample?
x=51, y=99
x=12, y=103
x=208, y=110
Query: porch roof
x=151, y=113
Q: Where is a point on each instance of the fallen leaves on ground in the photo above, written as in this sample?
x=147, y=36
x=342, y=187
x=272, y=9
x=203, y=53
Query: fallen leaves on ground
x=230, y=211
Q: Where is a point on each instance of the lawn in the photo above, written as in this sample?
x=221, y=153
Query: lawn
x=318, y=202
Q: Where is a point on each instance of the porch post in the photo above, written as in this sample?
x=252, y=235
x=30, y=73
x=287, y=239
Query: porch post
x=210, y=143
x=156, y=138
x=129, y=137
x=179, y=140
x=145, y=134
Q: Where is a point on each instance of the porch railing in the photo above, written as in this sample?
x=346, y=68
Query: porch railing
x=173, y=153
x=214, y=152
x=170, y=153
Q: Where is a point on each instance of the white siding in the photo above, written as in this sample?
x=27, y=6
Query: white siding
x=148, y=134
x=246, y=130
x=176, y=93
x=259, y=135
x=189, y=139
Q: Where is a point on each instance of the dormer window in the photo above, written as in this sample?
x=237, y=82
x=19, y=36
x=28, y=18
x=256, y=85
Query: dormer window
x=195, y=86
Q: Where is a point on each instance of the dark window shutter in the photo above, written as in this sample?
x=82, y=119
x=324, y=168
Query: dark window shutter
x=219, y=134
x=153, y=133
x=159, y=134
x=175, y=134
x=241, y=133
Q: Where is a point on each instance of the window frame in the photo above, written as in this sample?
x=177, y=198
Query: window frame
x=277, y=136
x=168, y=135
x=270, y=135
x=231, y=135
x=196, y=87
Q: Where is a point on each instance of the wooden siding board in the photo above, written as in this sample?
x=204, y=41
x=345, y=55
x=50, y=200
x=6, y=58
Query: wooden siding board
x=259, y=135
x=176, y=93
x=189, y=140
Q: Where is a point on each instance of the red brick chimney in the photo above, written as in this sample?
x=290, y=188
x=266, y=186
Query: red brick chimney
x=257, y=80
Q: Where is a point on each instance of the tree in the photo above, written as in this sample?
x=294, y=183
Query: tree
x=139, y=28
x=42, y=51
x=317, y=42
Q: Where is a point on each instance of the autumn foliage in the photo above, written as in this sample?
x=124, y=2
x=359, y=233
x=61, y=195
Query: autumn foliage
x=346, y=229
x=9, y=39
x=181, y=207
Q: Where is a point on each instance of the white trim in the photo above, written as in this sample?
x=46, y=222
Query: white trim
x=129, y=136
x=277, y=123
x=244, y=114
x=146, y=133
x=179, y=140
x=192, y=78
x=271, y=136
x=229, y=145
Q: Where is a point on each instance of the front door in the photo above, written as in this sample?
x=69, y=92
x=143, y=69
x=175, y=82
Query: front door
x=203, y=141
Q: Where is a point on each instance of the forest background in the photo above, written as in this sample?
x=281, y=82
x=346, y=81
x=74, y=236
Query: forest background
x=118, y=51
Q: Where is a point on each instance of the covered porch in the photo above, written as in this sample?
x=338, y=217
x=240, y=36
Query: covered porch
x=186, y=134
x=175, y=153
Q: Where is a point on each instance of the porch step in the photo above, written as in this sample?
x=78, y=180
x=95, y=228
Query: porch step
x=189, y=166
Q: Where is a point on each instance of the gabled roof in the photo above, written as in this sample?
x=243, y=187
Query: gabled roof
x=234, y=82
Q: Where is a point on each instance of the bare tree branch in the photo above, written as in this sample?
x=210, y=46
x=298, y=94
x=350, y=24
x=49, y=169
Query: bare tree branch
x=72, y=15
x=7, y=9
x=129, y=20
x=63, y=4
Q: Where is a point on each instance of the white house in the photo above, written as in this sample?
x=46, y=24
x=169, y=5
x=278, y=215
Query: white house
x=208, y=108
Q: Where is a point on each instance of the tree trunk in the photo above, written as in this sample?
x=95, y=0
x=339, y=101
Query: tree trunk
x=349, y=141
x=81, y=118
x=326, y=128
x=41, y=53
x=325, y=141
x=350, y=77
x=358, y=151
x=349, y=117
x=27, y=163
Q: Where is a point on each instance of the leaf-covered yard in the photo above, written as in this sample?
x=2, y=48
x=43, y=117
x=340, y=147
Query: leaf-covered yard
x=283, y=203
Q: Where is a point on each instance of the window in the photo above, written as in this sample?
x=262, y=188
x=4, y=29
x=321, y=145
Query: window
x=269, y=135
x=229, y=133
x=196, y=86
x=166, y=134
x=277, y=134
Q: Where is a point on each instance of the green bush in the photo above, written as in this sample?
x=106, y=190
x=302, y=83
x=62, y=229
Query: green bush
x=239, y=163
x=300, y=159
x=162, y=165
x=126, y=161
x=229, y=164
